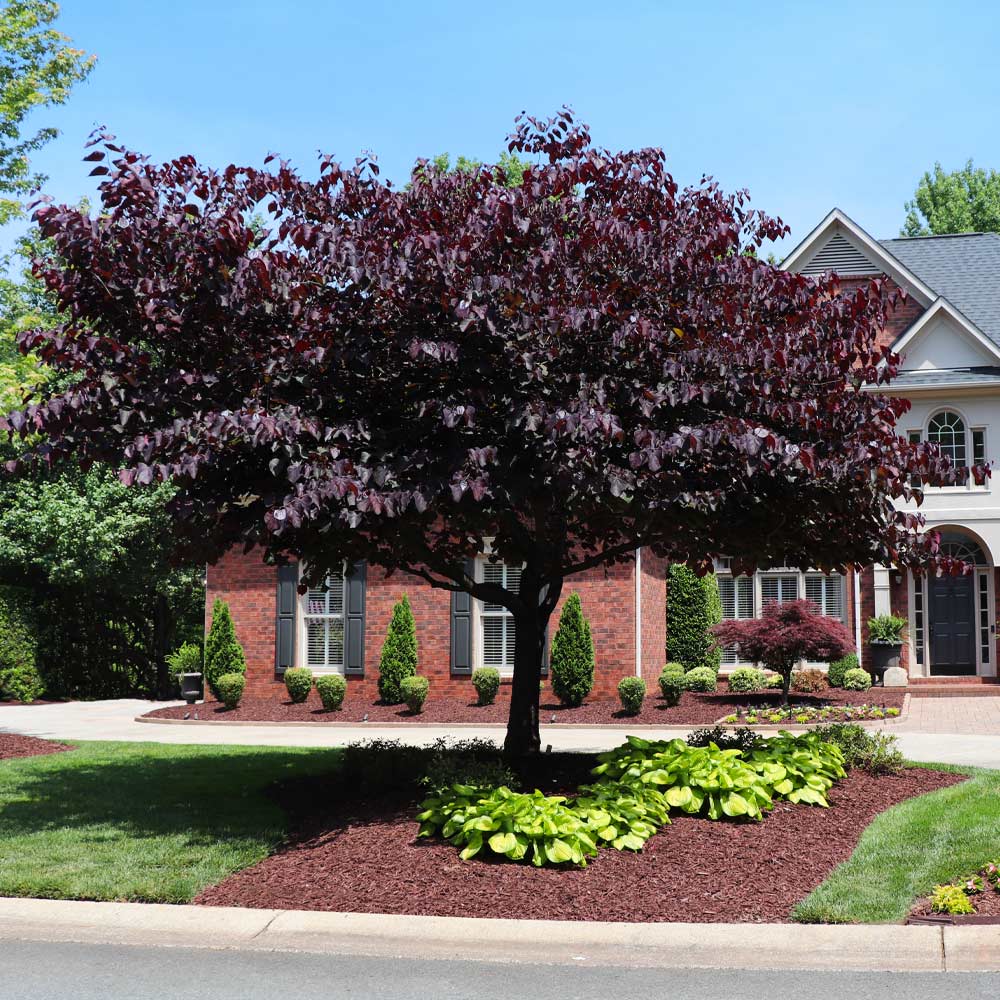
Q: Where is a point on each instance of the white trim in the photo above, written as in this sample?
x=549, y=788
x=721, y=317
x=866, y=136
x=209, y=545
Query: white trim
x=942, y=305
x=837, y=221
x=857, y=613
x=302, y=632
x=638, y=612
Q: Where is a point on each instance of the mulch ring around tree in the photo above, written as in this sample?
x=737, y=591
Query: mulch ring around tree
x=694, y=709
x=363, y=857
x=13, y=745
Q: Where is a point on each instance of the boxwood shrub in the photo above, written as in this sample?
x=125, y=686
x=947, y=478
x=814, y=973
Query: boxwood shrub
x=671, y=685
x=837, y=668
x=701, y=679
x=298, y=682
x=230, y=688
x=414, y=691
x=747, y=680
x=331, y=689
x=632, y=693
x=486, y=681
x=857, y=679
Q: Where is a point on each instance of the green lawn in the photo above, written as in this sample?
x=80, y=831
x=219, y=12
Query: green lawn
x=935, y=838
x=140, y=821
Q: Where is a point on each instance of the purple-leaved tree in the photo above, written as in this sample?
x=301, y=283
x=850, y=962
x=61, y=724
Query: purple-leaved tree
x=588, y=362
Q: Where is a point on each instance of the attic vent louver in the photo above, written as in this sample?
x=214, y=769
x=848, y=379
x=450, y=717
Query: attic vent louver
x=840, y=256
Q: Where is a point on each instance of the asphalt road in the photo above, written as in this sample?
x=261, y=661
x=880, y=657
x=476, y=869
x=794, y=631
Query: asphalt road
x=50, y=971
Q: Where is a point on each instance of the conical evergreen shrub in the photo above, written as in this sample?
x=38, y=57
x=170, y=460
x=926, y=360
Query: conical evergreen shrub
x=693, y=607
x=223, y=653
x=399, y=653
x=572, y=655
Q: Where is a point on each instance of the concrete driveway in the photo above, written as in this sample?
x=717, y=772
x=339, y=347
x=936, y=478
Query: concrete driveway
x=937, y=730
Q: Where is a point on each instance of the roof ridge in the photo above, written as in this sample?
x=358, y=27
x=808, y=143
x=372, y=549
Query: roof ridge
x=937, y=236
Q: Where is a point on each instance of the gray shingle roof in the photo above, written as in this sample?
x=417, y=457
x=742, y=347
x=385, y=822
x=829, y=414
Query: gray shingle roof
x=926, y=378
x=964, y=268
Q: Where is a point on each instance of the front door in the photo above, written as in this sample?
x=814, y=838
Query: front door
x=952, y=620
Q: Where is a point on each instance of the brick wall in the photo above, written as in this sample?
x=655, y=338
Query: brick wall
x=899, y=603
x=900, y=318
x=606, y=593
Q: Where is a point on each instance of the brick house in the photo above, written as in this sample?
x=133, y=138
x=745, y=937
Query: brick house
x=948, y=331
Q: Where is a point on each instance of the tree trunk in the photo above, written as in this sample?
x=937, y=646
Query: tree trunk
x=786, y=681
x=523, y=738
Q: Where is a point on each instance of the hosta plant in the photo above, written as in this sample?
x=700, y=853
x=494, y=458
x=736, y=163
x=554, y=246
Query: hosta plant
x=545, y=829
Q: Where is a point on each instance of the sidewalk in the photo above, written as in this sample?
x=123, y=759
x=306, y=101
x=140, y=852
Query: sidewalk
x=943, y=730
x=882, y=947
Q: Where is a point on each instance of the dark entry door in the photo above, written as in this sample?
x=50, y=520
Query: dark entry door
x=953, y=628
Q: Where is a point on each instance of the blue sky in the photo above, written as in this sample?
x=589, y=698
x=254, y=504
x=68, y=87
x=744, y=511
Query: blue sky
x=808, y=105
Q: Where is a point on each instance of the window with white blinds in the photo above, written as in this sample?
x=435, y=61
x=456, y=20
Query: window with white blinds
x=736, y=596
x=496, y=624
x=323, y=619
x=827, y=593
x=778, y=587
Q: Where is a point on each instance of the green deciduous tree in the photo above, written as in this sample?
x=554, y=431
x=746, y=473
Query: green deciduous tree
x=572, y=655
x=693, y=607
x=959, y=201
x=399, y=653
x=223, y=652
x=38, y=68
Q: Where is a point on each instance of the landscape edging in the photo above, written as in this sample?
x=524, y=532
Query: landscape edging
x=861, y=947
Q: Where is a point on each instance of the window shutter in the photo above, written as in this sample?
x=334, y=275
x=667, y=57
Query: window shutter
x=287, y=598
x=461, y=627
x=354, y=619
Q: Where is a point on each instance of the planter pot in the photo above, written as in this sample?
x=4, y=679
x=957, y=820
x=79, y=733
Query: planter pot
x=884, y=656
x=191, y=687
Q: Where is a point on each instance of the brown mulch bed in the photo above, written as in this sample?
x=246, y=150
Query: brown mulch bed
x=364, y=858
x=13, y=745
x=694, y=709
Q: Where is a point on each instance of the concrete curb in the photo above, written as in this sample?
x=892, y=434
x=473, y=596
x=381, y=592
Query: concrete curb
x=872, y=947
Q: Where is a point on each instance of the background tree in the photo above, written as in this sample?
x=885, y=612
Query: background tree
x=693, y=607
x=38, y=68
x=960, y=201
x=784, y=635
x=573, y=367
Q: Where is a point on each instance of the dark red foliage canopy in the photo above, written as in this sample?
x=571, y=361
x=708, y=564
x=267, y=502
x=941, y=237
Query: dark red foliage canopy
x=786, y=634
x=590, y=361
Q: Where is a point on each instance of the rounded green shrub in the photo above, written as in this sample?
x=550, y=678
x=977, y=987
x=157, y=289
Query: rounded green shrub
x=223, y=653
x=331, y=689
x=671, y=687
x=701, y=679
x=414, y=690
x=837, y=668
x=857, y=679
x=230, y=688
x=693, y=607
x=399, y=653
x=673, y=670
x=19, y=676
x=632, y=693
x=773, y=682
x=486, y=681
x=571, y=660
x=298, y=683
x=747, y=680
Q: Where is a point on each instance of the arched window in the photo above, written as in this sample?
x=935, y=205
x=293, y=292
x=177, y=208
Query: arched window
x=947, y=430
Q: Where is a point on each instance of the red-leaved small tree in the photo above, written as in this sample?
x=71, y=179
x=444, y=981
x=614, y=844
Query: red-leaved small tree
x=784, y=635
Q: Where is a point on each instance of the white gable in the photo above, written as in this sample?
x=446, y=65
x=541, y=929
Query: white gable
x=944, y=343
x=840, y=254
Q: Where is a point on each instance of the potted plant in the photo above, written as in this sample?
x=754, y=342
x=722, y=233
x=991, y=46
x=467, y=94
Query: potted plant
x=185, y=665
x=885, y=640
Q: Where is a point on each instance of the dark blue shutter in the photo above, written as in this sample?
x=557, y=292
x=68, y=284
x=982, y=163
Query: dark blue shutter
x=354, y=619
x=288, y=582
x=461, y=627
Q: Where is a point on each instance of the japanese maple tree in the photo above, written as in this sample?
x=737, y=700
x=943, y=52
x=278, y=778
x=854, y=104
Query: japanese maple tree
x=784, y=635
x=558, y=372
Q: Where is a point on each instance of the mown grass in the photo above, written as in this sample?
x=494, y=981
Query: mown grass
x=141, y=821
x=910, y=848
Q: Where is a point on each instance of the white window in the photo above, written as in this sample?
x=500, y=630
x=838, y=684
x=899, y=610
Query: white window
x=827, y=593
x=496, y=630
x=778, y=588
x=323, y=625
x=736, y=595
x=963, y=445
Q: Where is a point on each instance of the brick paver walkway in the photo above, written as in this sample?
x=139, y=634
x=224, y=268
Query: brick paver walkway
x=962, y=716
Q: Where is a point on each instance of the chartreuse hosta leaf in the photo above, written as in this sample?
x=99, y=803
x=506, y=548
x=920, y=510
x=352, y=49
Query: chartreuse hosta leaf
x=637, y=786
